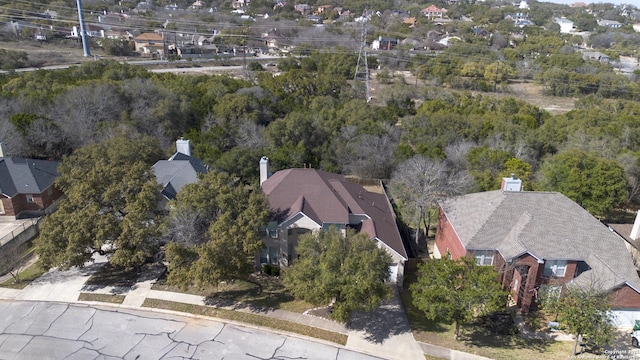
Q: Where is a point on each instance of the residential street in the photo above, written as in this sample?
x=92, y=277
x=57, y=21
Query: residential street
x=48, y=311
x=51, y=330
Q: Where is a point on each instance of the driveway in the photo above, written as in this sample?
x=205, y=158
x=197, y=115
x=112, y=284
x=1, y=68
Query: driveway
x=6, y=227
x=49, y=330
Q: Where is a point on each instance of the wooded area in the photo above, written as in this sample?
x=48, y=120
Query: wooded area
x=311, y=115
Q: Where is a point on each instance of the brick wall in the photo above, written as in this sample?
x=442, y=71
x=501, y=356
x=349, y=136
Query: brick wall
x=19, y=203
x=447, y=239
x=625, y=297
x=7, y=205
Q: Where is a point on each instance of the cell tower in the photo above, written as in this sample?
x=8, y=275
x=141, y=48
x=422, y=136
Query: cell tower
x=362, y=68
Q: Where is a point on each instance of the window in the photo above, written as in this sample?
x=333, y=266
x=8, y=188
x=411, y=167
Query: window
x=1, y=207
x=483, y=257
x=269, y=255
x=555, y=268
x=29, y=198
x=272, y=230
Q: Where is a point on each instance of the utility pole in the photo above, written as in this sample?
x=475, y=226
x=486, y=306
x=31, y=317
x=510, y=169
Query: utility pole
x=244, y=52
x=83, y=31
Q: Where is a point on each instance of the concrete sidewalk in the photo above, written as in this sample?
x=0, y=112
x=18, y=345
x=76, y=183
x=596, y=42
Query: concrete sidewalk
x=384, y=333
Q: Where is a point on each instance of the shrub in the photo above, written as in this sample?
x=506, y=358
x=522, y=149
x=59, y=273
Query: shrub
x=271, y=270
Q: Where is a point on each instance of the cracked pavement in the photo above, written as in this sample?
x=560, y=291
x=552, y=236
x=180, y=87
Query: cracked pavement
x=59, y=331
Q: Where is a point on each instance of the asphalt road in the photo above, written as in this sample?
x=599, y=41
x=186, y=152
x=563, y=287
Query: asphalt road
x=49, y=330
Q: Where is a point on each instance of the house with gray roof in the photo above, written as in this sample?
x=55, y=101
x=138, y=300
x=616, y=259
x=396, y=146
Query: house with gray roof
x=27, y=187
x=309, y=200
x=176, y=172
x=536, y=240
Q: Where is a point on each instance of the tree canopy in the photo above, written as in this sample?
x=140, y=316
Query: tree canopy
x=348, y=272
x=214, y=231
x=582, y=311
x=457, y=290
x=593, y=182
x=111, y=196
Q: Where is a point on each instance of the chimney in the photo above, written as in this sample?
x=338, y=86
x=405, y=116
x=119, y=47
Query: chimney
x=511, y=183
x=182, y=146
x=635, y=230
x=264, y=169
x=1, y=150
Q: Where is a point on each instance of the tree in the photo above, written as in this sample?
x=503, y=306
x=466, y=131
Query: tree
x=117, y=47
x=10, y=59
x=457, y=290
x=347, y=271
x=595, y=183
x=582, y=311
x=419, y=182
x=111, y=196
x=214, y=231
x=12, y=261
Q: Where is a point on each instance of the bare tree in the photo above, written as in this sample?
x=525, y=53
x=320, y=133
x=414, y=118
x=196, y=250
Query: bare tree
x=366, y=155
x=419, y=182
x=631, y=165
x=81, y=111
x=250, y=135
x=11, y=261
x=456, y=154
x=185, y=226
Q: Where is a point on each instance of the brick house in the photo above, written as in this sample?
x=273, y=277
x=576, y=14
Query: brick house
x=26, y=187
x=309, y=200
x=537, y=240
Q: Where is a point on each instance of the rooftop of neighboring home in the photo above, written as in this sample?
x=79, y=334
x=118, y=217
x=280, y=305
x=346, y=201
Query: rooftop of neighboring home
x=179, y=170
x=547, y=225
x=25, y=176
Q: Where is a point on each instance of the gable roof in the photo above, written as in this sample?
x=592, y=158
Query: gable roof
x=331, y=198
x=26, y=176
x=148, y=37
x=547, y=225
x=176, y=172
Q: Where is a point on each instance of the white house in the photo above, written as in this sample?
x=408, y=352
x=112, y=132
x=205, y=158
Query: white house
x=566, y=25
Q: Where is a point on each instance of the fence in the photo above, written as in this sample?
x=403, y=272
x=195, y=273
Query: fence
x=23, y=233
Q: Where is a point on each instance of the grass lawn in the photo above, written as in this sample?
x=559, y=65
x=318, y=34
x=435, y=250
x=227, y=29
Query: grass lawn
x=26, y=276
x=477, y=340
x=248, y=318
x=259, y=292
x=106, y=298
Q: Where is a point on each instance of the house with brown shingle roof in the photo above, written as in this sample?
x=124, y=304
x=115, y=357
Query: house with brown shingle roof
x=149, y=44
x=537, y=240
x=308, y=200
